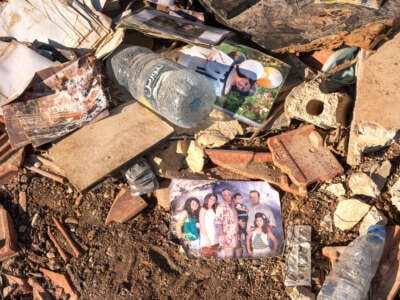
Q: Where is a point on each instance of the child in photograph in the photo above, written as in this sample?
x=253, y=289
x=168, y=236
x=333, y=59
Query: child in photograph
x=242, y=222
x=208, y=238
x=187, y=226
x=260, y=238
x=240, y=207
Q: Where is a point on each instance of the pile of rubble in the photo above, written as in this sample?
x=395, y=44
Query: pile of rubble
x=331, y=128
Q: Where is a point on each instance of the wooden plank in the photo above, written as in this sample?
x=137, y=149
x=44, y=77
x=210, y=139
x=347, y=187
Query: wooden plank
x=92, y=152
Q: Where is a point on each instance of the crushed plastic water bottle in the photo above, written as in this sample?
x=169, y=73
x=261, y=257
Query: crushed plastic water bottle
x=141, y=178
x=351, y=278
x=182, y=96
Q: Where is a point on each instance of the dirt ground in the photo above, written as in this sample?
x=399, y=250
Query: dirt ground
x=137, y=260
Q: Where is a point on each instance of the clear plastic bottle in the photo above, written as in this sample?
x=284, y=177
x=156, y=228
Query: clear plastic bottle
x=180, y=95
x=351, y=278
x=141, y=178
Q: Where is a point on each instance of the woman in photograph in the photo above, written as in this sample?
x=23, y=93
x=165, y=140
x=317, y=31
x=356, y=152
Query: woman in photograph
x=187, y=226
x=208, y=238
x=259, y=239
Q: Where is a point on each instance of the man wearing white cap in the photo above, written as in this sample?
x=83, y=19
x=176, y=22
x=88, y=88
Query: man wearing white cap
x=226, y=73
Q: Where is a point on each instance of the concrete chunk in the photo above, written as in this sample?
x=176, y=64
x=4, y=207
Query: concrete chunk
x=308, y=103
x=375, y=119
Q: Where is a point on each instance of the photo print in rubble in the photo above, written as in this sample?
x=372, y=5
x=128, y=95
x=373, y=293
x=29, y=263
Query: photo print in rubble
x=226, y=219
x=246, y=81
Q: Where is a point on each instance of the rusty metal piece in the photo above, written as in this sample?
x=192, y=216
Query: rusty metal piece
x=22, y=283
x=59, y=100
x=386, y=282
x=38, y=291
x=333, y=253
x=300, y=154
x=60, y=280
x=125, y=206
x=47, y=174
x=75, y=251
x=255, y=166
x=8, y=236
x=60, y=250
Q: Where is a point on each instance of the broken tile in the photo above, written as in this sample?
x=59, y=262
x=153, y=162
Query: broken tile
x=67, y=24
x=126, y=134
x=373, y=217
x=300, y=154
x=254, y=165
x=162, y=194
x=362, y=184
x=395, y=193
x=298, y=255
x=69, y=241
x=10, y=160
x=8, y=236
x=38, y=292
x=349, y=212
x=333, y=254
x=18, y=65
x=308, y=103
x=124, y=207
x=375, y=118
x=60, y=280
x=386, y=282
x=218, y=134
x=59, y=100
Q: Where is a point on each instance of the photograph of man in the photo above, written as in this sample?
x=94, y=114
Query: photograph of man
x=226, y=222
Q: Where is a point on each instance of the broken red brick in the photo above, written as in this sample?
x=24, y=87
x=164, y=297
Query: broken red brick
x=125, y=206
x=386, y=282
x=255, y=166
x=22, y=283
x=60, y=280
x=8, y=235
x=70, y=242
x=300, y=154
x=333, y=253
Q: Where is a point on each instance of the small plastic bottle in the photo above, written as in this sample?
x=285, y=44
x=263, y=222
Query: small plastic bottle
x=141, y=178
x=351, y=277
x=180, y=95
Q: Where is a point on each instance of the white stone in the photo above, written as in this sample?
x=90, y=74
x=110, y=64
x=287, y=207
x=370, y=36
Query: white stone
x=349, y=212
x=381, y=174
x=362, y=184
x=195, y=157
x=373, y=217
x=395, y=192
x=336, y=189
x=218, y=134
